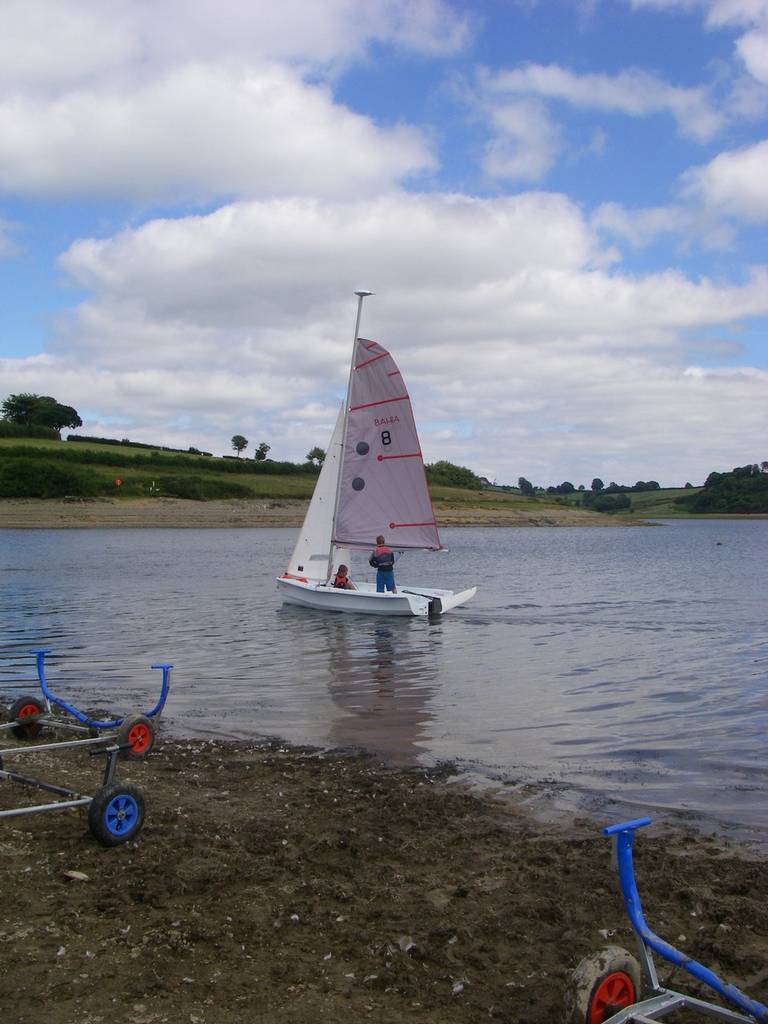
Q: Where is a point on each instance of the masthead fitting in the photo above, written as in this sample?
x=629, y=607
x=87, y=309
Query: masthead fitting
x=361, y=293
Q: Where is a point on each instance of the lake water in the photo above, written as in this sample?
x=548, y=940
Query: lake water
x=619, y=670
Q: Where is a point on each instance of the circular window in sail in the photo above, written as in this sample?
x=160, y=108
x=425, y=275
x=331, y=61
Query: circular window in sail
x=362, y=448
x=358, y=483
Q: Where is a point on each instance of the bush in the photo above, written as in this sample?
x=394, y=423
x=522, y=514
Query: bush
x=197, y=489
x=742, y=491
x=17, y=430
x=611, y=503
x=43, y=480
x=447, y=474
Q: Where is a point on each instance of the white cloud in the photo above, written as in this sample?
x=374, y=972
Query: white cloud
x=497, y=311
x=633, y=92
x=200, y=132
x=526, y=142
x=686, y=223
x=192, y=100
x=735, y=183
x=48, y=46
x=731, y=188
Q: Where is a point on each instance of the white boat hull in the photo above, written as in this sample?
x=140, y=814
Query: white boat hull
x=423, y=601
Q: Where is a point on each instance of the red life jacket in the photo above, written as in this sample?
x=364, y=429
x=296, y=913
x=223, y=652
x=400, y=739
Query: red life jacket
x=340, y=581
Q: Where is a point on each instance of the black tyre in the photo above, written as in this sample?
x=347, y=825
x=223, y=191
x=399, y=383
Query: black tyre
x=116, y=813
x=26, y=707
x=138, y=732
x=602, y=984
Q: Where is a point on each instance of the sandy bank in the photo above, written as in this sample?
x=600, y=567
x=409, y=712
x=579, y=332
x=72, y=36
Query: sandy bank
x=272, y=884
x=31, y=513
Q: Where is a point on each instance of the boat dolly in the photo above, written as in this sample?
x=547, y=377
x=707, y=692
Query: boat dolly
x=606, y=987
x=116, y=810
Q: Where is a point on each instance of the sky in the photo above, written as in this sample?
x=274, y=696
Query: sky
x=560, y=206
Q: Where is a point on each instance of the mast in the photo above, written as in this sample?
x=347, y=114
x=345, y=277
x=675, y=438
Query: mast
x=361, y=294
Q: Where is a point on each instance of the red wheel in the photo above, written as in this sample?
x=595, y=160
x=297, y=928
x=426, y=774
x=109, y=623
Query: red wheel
x=138, y=732
x=601, y=985
x=614, y=993
x=25, y=707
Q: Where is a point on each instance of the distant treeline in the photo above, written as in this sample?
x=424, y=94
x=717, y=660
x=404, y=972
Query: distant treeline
x=742, y=491
x=135, y=444
x=154, y=458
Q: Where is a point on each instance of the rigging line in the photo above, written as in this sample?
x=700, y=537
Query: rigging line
x=394, y=526
x=409, y=455
x=382, y=401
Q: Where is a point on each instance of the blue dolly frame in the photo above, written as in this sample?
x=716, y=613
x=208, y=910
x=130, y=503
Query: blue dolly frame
x=618, y=1005
x=111, y=723
x=28, y=715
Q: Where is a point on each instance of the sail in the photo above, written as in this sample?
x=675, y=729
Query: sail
x=383, y=487
x=310, y=556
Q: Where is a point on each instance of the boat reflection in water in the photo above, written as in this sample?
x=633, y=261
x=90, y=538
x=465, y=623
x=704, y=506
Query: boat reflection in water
x=382, y=678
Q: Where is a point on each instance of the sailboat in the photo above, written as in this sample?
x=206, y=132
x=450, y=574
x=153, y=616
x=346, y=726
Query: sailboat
x=372, y=482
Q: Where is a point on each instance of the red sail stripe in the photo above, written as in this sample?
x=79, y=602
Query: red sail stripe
x=370, y=344
x=373, y=359
x=410, y=455
x=383, y=401
x=394, y=526
x=393, y=373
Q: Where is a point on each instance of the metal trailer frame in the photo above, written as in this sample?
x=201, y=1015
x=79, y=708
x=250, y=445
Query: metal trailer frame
x=116, y=810
x=661, y=1000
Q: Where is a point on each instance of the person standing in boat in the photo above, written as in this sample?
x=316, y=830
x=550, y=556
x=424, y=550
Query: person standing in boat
x=383, y=561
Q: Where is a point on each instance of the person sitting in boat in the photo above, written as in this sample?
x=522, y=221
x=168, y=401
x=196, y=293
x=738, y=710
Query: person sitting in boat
x=342, y=580
x=383, y=561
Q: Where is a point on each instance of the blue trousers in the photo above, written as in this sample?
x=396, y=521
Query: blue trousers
x=385, y=580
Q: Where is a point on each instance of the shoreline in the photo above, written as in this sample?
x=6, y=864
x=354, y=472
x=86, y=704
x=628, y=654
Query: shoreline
x=292, y=885
x=180, y=513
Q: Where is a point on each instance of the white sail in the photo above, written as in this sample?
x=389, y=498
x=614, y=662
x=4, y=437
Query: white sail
x=383, y=487
x=310, y=558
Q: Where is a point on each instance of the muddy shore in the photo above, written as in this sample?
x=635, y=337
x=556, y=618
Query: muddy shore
x=290, y=885
x=34, y=513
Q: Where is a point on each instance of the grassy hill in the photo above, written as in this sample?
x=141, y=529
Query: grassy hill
x=41, y=468
x=53, y=469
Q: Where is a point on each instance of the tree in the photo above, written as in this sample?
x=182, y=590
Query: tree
x=526, y=487
x=261, y=451
x=450, y=475
x=29, y=410
x=597, y=485
x=316, y=456
x=239, y=443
